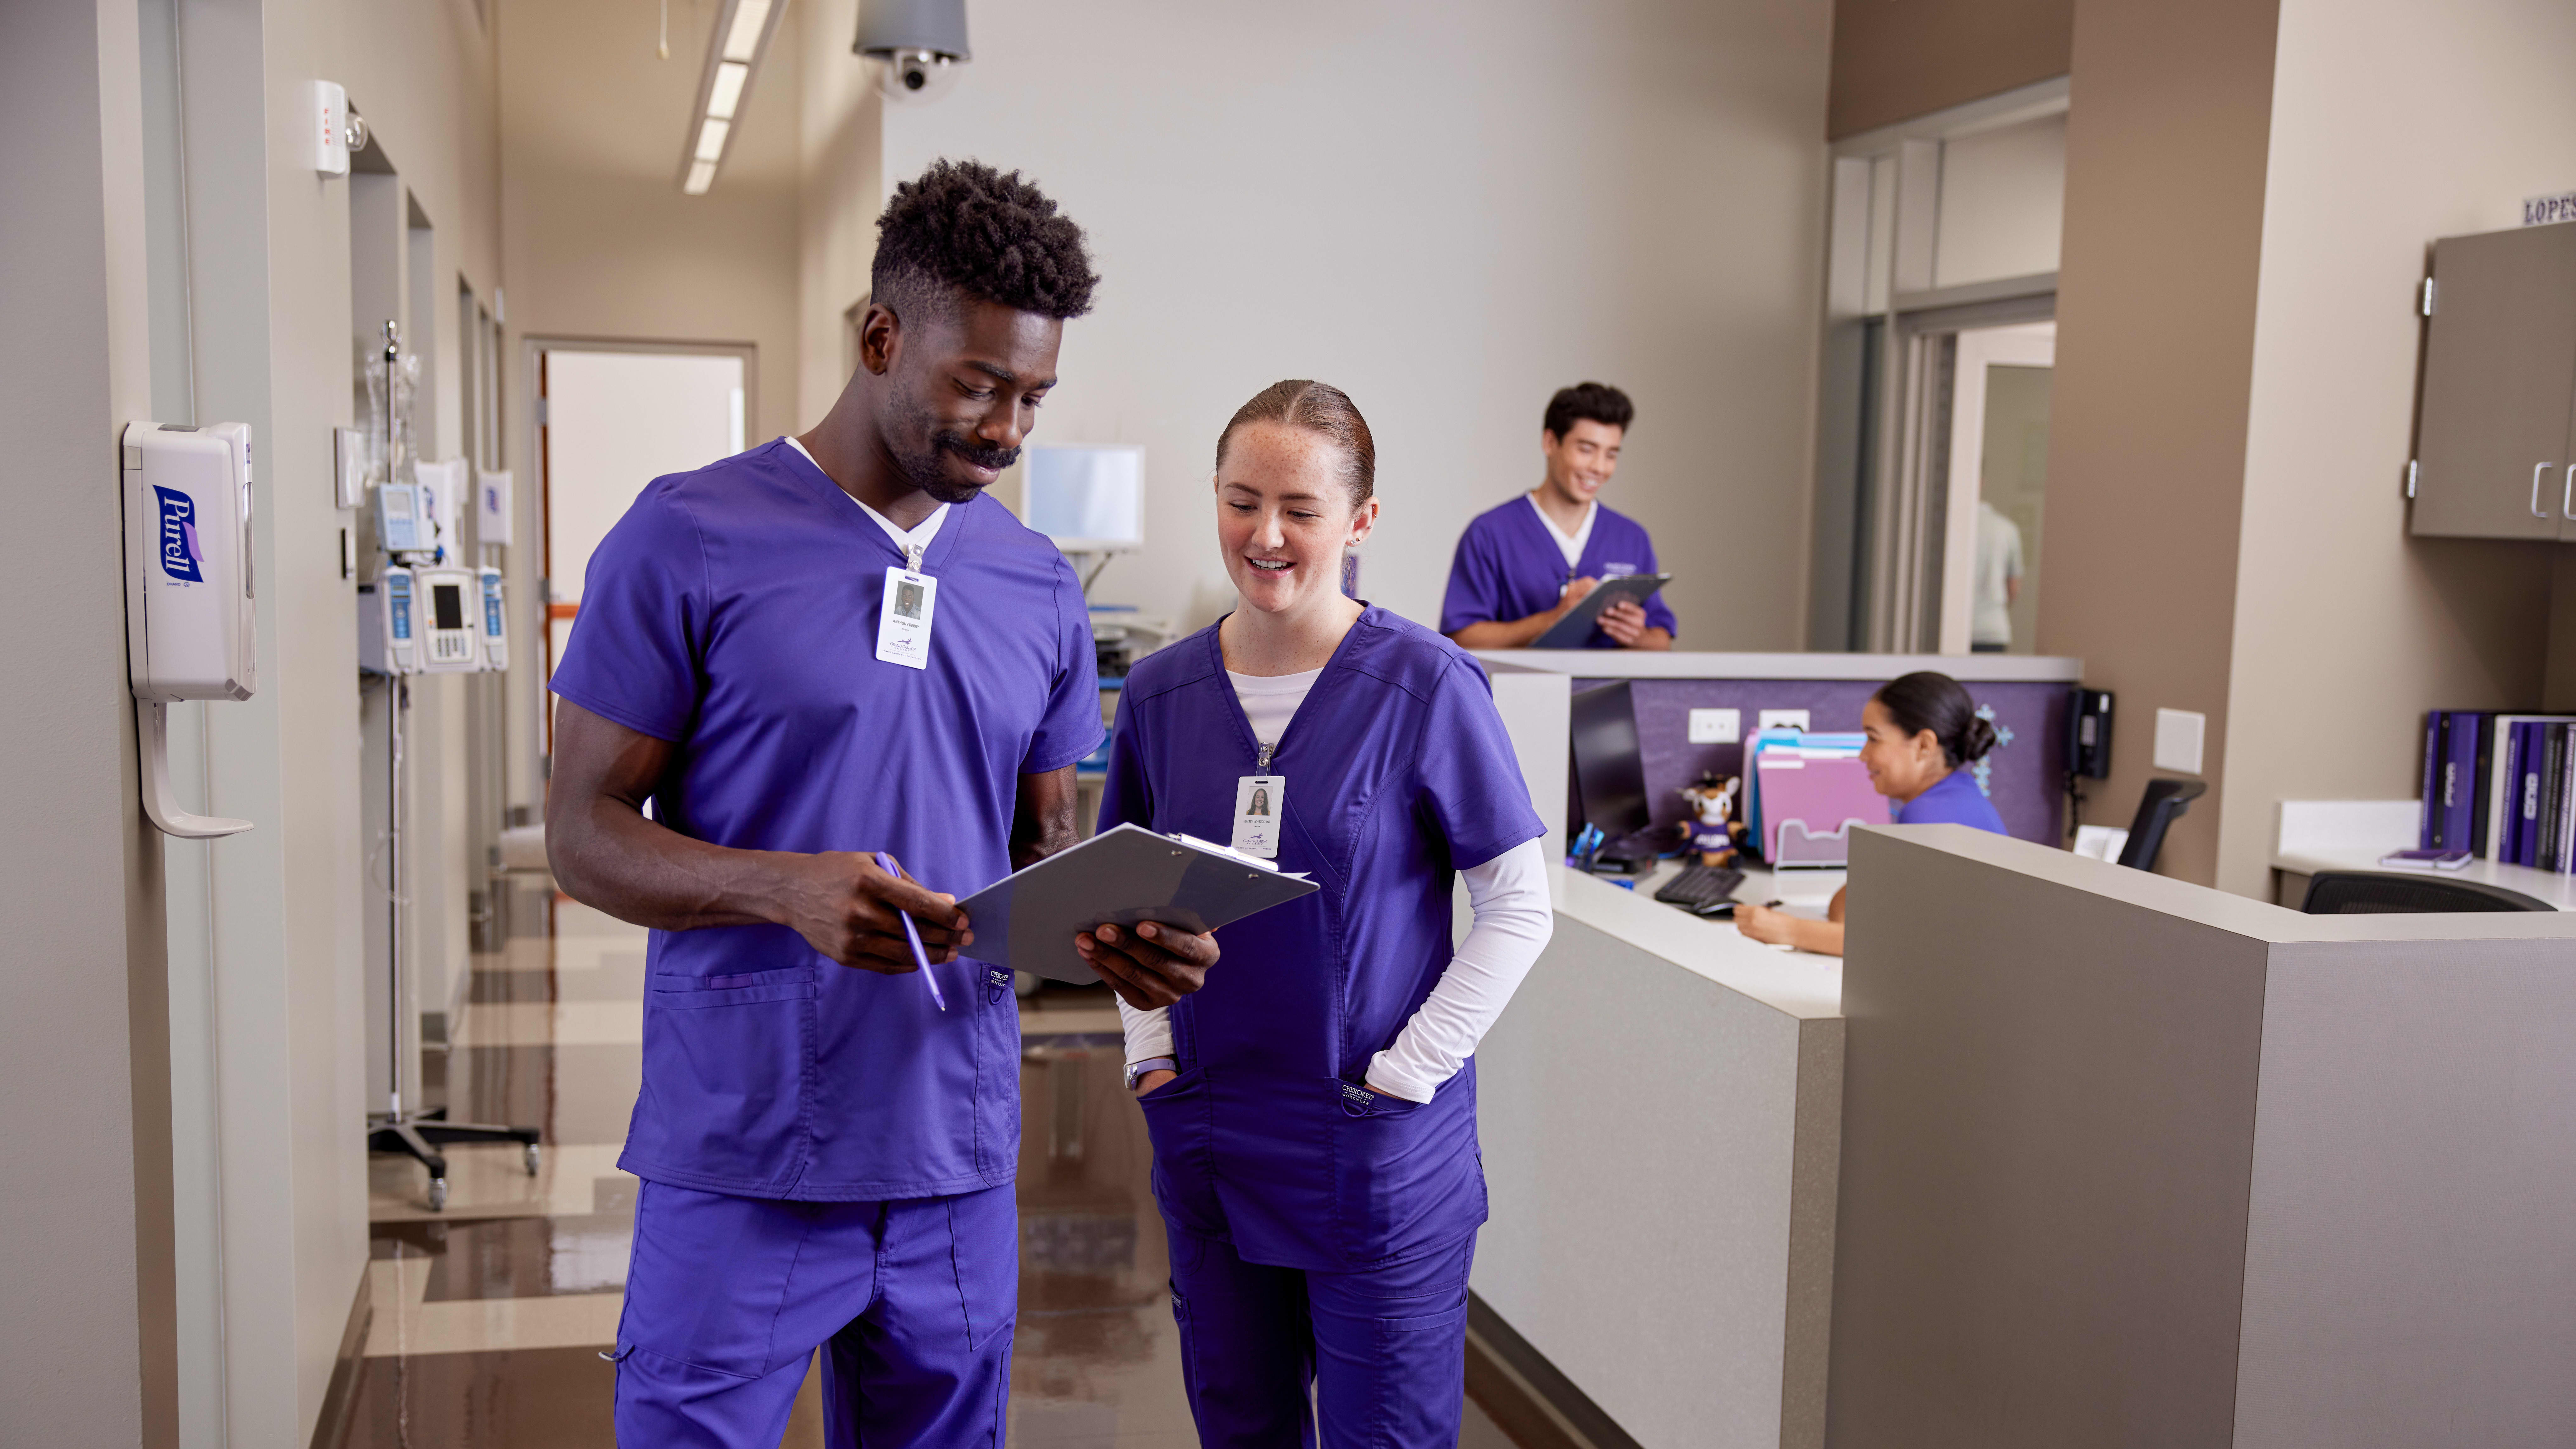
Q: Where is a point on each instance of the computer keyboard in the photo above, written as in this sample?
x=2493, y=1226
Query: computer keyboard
x=1700, y=886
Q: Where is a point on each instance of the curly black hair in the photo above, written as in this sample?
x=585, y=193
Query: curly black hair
x=1596, y=401
x=963, y=227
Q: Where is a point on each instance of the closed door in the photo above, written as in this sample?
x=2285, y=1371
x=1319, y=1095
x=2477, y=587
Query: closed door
x=2499, y=375
x=611, y=422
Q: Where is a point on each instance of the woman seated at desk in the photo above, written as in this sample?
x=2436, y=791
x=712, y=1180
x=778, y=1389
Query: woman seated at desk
x=1922, y=729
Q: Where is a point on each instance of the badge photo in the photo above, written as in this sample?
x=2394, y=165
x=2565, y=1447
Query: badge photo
x=1259, y=802
x=903, y=625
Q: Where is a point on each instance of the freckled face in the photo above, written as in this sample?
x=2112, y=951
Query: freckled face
x=1284, y=516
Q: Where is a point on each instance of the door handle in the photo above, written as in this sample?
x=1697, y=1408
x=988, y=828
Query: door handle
x=2536, y=510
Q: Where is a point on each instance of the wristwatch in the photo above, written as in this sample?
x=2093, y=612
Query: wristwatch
x=1136, y=1070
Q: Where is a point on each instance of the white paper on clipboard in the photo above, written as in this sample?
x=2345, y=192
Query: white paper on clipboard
x=1027, y=920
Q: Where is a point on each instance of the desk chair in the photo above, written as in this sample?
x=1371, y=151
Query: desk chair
x=2366, y=893
x=2161, y=806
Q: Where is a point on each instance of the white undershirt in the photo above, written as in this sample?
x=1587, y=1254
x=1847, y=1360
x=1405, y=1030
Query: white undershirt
x=920, y=536
x=1569, y=544
x=1513, y=920
x=1270, y=700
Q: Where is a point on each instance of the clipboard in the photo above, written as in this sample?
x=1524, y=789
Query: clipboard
x=1027, y=920
x=1570, y=631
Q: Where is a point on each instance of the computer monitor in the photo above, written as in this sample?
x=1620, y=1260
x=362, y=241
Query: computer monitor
x=1609, y=767
x=1087, y=499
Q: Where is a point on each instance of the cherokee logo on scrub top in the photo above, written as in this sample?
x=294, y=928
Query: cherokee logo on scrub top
x=180, y=554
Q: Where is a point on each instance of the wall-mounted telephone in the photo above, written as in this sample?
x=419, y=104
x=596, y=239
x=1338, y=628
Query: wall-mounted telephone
x=2088, y=734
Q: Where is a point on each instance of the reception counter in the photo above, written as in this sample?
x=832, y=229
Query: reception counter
x=1660, y=1111
x=2131, y=1161
x=2064, y=1153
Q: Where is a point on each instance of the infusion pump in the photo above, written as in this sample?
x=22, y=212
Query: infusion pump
x=423, y=620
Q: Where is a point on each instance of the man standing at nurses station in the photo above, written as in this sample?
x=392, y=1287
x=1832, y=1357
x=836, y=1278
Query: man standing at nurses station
x=1520, y=567
x=852, y=689
x=1313, y=1111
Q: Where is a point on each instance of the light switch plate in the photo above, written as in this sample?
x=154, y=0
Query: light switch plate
x=2178, y=738
x=349, y=460
x=1716, y=726
x=1785, y=719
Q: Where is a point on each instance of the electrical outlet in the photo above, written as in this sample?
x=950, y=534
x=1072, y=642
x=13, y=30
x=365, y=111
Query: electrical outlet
x=2178, y=739
x=1789, y=719
x=1716, y=726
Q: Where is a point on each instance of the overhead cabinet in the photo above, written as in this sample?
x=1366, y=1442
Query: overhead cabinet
x=2497, y=448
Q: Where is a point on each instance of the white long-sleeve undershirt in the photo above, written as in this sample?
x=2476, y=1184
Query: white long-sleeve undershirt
x=1513, y=921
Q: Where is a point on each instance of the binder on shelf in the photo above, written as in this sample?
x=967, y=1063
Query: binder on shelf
x=2428, y=831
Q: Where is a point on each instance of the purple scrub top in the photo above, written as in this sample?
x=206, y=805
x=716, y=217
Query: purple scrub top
x=733, y=612
x=1956, y=800
x=1399, y=775
x=1508, y=567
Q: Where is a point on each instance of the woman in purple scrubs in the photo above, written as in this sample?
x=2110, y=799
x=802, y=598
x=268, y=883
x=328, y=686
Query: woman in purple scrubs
x=1923, y=731
x=1313, y=1107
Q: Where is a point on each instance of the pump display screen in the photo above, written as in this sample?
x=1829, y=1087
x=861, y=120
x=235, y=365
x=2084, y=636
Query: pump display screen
x=447, y=605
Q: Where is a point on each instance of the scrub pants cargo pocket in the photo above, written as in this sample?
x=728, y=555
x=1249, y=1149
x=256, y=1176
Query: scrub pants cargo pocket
x=1178, y=1121
x=1391, y=1160
x=740, y=1044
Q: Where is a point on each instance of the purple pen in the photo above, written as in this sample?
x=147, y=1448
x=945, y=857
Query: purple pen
x=920, y=957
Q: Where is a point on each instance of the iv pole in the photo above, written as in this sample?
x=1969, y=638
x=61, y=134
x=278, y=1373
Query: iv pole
x=418, y=1135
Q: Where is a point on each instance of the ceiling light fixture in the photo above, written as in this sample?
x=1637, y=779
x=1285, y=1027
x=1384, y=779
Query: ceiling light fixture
x=741, y=38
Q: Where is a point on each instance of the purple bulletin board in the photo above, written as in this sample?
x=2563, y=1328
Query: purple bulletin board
x=2025, y=775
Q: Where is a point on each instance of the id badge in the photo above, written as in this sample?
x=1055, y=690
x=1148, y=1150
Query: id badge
x=903, y=625
x=1259, y=803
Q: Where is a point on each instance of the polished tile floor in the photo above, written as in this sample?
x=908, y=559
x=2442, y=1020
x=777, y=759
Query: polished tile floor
x=489, y=1316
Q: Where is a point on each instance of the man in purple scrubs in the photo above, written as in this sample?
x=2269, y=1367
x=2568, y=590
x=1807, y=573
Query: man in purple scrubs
x=825, y=648
x=1520, y=567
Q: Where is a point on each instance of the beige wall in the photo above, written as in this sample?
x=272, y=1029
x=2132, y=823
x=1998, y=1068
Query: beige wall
x=264, y=928
x=1898, y=59
x=1451, y=221
x=840, y=186
x=600, y=241
x=2165, y=151
x=84, y=1160
x=2346, y=629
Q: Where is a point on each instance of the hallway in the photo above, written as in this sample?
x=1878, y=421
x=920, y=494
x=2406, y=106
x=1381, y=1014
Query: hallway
x=489, y=1317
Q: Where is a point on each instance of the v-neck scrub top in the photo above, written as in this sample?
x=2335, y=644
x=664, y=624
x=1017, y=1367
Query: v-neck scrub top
x=1509, y=566
x=1398, y=774
x=1953, y=800
x=733, y=612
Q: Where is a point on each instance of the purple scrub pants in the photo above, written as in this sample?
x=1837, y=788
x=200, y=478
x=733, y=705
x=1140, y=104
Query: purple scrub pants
x=911, y=1301
x=1385, y=1350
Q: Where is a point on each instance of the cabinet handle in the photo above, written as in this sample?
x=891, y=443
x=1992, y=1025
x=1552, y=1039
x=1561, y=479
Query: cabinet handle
x=2567, y=493
x=2536, y=510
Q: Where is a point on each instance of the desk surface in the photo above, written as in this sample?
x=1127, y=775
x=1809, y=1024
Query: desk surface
x=1794, y=982
x=1680, y=664
x=2545, y=885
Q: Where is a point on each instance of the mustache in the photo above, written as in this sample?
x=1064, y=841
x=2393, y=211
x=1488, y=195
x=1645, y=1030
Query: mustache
x=994, y=458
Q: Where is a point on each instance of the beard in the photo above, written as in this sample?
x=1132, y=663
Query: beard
x=926, y=466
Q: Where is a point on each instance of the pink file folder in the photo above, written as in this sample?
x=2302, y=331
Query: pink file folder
x=1809, y=805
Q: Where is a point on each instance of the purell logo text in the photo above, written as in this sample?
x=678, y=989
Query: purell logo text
x=180, y=554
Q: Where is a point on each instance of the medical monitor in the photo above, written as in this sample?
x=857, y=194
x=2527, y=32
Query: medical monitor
x=1086, y=499
x=1609, y=766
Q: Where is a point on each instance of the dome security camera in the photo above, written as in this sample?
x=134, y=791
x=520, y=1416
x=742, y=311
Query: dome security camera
x=915, y=74
x=918, y=45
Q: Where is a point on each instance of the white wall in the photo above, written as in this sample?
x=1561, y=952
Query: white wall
x=1449, y=214
x=2003, y=203
x=2391, y=126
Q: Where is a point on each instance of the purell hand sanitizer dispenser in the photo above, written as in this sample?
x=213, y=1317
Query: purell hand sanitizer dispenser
x=188, y=607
